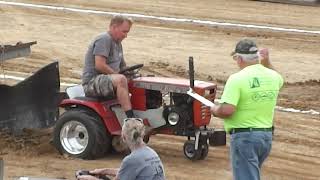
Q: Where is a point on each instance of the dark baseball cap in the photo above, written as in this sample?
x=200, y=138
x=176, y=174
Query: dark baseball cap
x=245, y=46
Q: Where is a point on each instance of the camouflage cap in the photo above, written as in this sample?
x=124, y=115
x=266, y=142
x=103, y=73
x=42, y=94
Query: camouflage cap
x=245, y=46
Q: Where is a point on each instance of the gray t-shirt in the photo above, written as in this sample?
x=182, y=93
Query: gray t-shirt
x=142, y=164
x=102, y=45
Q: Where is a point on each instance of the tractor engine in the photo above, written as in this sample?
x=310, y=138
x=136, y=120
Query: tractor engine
x=165, y=104
x=153, y=99
x=177, y=107
x=179, y=112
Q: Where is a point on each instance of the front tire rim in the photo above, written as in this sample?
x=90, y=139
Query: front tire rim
x=74, y=137
x=190, y=151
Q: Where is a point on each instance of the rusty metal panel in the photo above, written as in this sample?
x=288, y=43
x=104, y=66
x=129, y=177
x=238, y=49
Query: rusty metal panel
x=15, y=51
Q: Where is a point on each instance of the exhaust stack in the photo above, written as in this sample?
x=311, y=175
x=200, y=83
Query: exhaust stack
x=191, y=72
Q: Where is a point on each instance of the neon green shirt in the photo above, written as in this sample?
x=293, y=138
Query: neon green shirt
x=254, y=91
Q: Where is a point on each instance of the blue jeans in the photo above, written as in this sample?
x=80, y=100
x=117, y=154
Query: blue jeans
x=248, y=150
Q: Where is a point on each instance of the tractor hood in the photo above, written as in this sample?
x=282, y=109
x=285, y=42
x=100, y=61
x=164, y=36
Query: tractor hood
x=170, y=84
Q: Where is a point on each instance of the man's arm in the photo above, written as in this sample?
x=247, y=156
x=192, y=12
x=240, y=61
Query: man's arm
x=123, y=64
x=223, y=110
x=102, y=67
x=110, y=171
x=265, y=61
x=105, y=171
x=229, y=99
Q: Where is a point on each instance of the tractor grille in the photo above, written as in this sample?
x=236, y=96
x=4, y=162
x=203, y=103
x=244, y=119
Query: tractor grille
x=205, y=112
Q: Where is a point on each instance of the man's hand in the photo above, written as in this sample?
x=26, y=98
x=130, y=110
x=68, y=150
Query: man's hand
x=214, y=109
x=264, y=58
x=105, y=171
x=129, y=74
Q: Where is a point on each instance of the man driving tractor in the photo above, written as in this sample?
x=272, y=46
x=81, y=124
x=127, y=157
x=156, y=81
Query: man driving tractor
x=103, y=62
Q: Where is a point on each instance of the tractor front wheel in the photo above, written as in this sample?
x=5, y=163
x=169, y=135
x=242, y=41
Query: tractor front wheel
x=204, y=151
x=189, y=150
x=80, y=134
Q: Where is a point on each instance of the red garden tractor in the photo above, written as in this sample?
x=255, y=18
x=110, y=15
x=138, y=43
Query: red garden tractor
x=91, y=126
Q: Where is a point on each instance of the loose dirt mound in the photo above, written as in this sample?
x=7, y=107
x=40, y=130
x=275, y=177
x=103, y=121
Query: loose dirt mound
x=29, y=143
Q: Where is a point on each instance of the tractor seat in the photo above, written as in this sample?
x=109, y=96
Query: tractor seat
x=77, y=92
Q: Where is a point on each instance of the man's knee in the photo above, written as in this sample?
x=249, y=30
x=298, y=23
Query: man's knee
x=119, y=80
x=123, y=80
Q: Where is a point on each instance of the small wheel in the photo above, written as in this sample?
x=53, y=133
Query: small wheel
x=81, y=135
x=204, y=151
x=190, y=152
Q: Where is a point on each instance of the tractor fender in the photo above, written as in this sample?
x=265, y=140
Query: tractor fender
x=109, y=119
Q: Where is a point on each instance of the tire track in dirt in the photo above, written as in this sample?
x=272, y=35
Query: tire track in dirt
x=168, y=19
x=295, y=167
x=216, y=161
x=232, y=10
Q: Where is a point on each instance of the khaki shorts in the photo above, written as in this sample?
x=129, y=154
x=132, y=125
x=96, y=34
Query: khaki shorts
x=99, y=86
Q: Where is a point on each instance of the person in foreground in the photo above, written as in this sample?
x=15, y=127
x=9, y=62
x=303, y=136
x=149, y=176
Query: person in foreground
x=103, y=61
x=143, y=163
x=247, y=106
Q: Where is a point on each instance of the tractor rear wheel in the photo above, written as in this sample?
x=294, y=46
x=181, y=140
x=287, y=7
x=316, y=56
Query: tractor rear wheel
x=80, y=134
x=190, y=152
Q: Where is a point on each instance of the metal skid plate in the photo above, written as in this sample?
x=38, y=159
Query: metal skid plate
x=32, y=103
x=154, y=117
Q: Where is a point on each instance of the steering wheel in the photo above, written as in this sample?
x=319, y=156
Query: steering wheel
x=131, y=68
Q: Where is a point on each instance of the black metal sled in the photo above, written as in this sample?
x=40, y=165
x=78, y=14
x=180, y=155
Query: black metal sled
x=32, y=103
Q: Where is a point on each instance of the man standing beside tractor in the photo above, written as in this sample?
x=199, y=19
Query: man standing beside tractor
x=247, y=106
x=103, y=62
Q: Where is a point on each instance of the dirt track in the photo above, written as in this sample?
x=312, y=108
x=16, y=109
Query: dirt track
x=164, y=49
